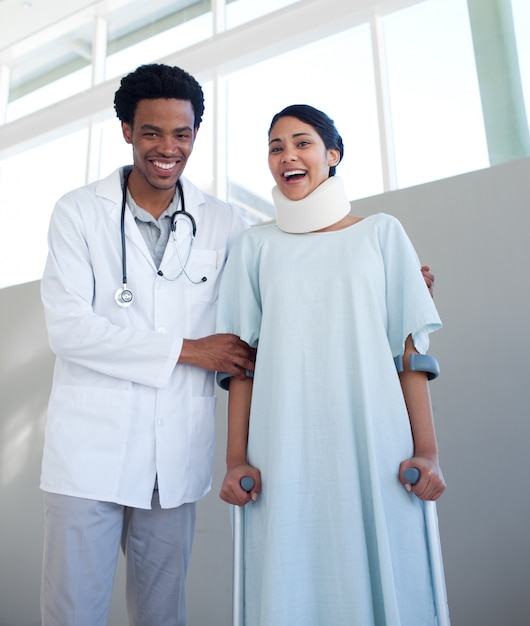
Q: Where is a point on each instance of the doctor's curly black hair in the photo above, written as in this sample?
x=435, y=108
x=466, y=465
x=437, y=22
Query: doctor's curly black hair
x=156, y=80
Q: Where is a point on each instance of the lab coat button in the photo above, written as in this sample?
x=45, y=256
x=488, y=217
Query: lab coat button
x=161, y=329
x=159, y=422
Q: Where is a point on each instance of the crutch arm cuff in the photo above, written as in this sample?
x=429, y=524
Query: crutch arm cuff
x=223, y=379
x=419, y=363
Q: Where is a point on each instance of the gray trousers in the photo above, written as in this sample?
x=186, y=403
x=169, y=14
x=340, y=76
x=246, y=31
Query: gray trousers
x=82, y=540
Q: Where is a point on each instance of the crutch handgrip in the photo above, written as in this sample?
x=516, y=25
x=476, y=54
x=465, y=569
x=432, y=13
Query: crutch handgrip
x=412, y=475
x=247, y=483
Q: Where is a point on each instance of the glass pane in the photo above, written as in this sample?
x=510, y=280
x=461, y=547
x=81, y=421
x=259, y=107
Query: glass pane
x=26, y=205
x=241, y=11
x=143, y=32
x=199, y=168
x=44, y=73
x=435, y=99
x=49, y=94
x=521, y=20
x=114, y=150
x=334, y=75
x=138, y=32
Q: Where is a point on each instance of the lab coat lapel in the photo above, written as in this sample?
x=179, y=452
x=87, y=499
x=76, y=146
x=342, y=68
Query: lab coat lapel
x=193, y=198
x=110, y=188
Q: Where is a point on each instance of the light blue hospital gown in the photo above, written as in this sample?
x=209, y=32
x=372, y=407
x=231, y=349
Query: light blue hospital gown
x=334, y=538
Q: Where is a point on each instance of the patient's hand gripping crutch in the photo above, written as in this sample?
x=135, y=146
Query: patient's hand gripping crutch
x=238, y=589
x=428, y=364
x=412, y=474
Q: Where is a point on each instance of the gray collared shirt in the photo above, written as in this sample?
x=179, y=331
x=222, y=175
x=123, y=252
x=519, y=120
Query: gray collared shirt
x=155, y=232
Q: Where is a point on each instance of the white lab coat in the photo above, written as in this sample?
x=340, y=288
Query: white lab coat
x=121, y=411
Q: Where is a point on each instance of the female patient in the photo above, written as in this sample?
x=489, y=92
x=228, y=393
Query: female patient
x=327, y=426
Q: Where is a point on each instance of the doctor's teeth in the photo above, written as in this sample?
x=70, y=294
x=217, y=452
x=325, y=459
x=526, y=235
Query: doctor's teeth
x=164, y=166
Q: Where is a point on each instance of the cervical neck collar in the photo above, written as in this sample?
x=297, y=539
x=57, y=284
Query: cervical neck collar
x=323, y=207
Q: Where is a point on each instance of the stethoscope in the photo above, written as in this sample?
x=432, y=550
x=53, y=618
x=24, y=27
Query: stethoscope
x=124, y=296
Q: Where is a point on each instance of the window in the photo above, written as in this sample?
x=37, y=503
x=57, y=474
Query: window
x=30, y=185
x=50, y=66
x=48, y=94
x=240, y=11
x=200, y=166
x=436, y=109
x=58, y=61
x=113, y=150
x=434, y=125
x=158, y=28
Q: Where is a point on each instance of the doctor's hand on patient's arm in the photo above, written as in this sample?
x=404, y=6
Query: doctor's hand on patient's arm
x=219, y=353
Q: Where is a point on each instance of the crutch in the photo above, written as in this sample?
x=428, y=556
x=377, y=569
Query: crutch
x=238, y=588
x=412, y=474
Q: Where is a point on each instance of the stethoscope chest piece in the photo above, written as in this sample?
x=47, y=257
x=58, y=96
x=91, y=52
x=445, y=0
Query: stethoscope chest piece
x=123, y=297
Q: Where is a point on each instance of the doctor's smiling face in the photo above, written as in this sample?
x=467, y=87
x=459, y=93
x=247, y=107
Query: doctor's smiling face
x=162, y=135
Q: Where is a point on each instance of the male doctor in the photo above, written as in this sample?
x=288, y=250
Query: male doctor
x=129, y=291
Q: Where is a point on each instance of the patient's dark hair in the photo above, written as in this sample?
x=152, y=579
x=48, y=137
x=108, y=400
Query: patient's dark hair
x=149, y=82
x=322, y=123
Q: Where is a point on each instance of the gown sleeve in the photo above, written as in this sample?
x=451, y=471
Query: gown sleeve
x=410, y=307
x=239, y=305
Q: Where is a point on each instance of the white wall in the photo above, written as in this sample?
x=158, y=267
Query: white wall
x=474, y=230
x=25, y=377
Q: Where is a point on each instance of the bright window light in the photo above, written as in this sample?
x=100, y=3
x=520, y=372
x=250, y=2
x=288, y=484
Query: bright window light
x=114, y=151
x=30, y=185
x=49, y=94
x=435, y=99
x=161, y=45
x=240, y=11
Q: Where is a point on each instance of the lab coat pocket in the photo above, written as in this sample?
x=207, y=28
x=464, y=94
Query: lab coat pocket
x=86, y=436
x=203, y=271
x=88, y=423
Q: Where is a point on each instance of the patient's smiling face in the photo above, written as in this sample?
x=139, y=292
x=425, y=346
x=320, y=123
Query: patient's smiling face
x=298, y=158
